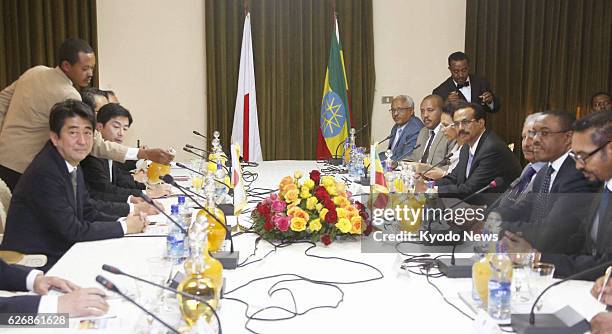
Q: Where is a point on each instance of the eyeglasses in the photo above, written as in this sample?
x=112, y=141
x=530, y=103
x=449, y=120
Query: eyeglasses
x=544, y=133
x=397, y=110
x=583, y=157
x=463, y=122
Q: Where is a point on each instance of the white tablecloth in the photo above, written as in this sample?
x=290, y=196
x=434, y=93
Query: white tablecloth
x=398, y=303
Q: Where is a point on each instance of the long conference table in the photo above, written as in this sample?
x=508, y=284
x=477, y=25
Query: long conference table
x=400, y=302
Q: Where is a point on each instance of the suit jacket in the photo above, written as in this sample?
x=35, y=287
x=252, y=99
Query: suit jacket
x=407, y=139
x=25, y=106
x=99, y=185
x=44, y=218
x=440, y=148
x=492, y=159
x=510, y=196
x=13, y=278
x=478, y=86
x=567, y=205
x=593, y=252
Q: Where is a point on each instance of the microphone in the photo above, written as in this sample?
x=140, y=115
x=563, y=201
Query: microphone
x=112, y=287
x=335, y=159
x=444, y=161
x=229, y=260
x=186, y=149
x=152, y=202
x=199, y=134
x=408, y=153
x=117, y=271
x=230, y=192
x=201, y=149
x=497, y=182
x=384, y=140
x=566, y=320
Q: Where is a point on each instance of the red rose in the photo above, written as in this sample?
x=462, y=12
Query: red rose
x=359, y=206
x=326, y=239
x=368, y=230
x=321, y=194
x=331, y=217
x=268, y=225
x=263, y=210
x=329, y=204
x=315, y=175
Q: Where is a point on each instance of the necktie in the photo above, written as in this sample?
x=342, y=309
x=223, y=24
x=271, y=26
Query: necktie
x=469, y=165
x=542, y=195
x=73, y=179
x=524, y=182
x=432, y=134
x=398, y=135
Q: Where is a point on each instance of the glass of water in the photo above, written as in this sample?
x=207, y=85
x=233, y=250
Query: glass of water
x=541, y=277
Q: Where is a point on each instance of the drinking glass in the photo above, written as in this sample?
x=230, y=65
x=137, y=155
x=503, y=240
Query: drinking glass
x=541, y=277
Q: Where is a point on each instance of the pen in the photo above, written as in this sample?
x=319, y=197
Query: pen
x=605, y=282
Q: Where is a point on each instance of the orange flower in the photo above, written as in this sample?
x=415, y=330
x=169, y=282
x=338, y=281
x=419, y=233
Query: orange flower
x=356, y=222
x=285, y=181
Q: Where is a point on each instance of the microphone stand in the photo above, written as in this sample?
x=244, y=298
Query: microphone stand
x=186, y=149
x=112, y=287
x=117, y=271
x=335, y=160
x=230, y=190
x=152, y=202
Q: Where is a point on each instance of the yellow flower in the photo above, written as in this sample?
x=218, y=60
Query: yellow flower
x=352, y=211
x=304, y=193
x=291, y=195
x=331, y=190
x=211, y=167
x=297, y=174
x=298, y=224
x=294, y=204
x=341, y=201
x=291, y=211
x=342, y=213
x=290, y=186
x=319, y=206
x=344, y=225
x=341, y=187
x=356, y=222
x=311, y=203
x=301, y=214
x=322, y=213
x=328, y=181
x=315, y=225
x=309, y=183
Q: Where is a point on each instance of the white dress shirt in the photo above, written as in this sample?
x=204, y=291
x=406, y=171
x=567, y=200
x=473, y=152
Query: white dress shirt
x=556, y=165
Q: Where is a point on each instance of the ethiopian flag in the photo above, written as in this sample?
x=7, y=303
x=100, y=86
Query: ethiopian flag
x=335, y=107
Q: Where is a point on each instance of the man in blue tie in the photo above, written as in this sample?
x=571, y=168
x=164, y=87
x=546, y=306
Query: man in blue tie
x=404, y=133
x=592, y=153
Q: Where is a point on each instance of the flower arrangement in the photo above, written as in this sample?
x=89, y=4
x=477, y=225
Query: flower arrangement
x=318, y=208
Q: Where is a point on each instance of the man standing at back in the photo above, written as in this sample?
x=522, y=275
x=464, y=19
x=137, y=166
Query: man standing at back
x=25, y=106
x=462, y=85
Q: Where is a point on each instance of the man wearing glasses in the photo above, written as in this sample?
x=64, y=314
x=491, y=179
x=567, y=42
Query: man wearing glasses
x=406, y=129
x=483, y=157
x=592, y=152
x=551, y=213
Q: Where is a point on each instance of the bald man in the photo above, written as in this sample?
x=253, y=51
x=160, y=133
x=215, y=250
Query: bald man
x=432, y=145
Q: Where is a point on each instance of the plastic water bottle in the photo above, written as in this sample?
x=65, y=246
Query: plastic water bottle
x=175, y=240
x=500, y=290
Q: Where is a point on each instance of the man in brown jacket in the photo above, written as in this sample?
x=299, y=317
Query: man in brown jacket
x=25, y=106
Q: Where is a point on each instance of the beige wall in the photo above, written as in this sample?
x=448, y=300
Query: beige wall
x=152, y=55
x=138, y=40
x=412, y=40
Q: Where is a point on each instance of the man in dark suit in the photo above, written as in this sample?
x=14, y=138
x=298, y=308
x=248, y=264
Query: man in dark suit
x=550, y=214
x=521, y=186
x=404, y=133
x=50, y=209
x=76, y=302
x=462, y=85
x=483, y=157
x=103, y=178
x=592, y=153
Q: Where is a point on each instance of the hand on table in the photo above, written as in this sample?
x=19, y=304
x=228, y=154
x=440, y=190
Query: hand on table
x=159, y=190
x=83, y=303
x=136, y=223
x=435, y=174
x=42, y=284
x=146, y=208
x=606, y=298
x=602, y=323
x=516, y=243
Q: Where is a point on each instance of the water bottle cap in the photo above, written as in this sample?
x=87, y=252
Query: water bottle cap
x=181, y=199
x=174, y=209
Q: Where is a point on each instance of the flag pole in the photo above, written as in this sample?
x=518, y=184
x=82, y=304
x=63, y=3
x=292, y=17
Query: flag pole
x=246, y=7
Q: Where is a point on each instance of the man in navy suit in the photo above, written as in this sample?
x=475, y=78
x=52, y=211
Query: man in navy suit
x=591, y=149
x=462, y=85
x=76, y=302
x=404, y=133
x=50, y=209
